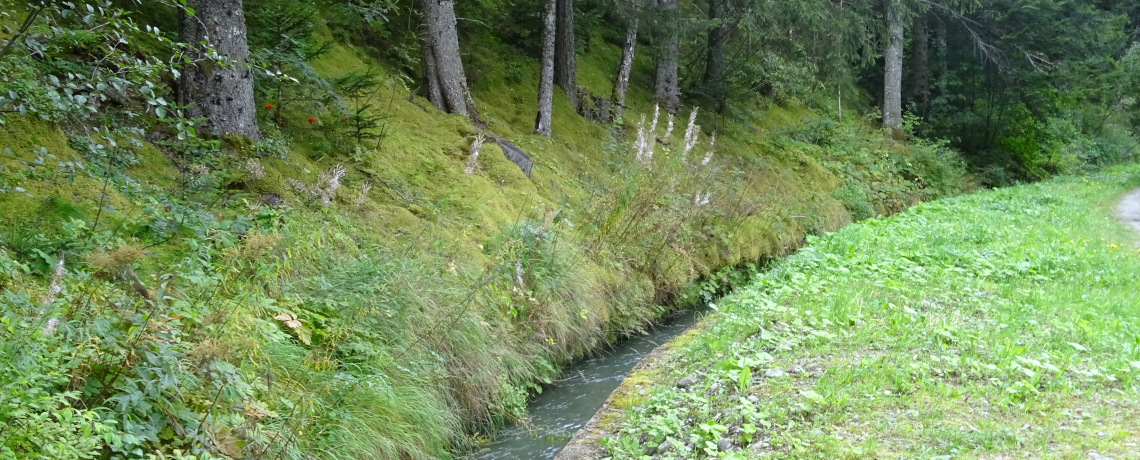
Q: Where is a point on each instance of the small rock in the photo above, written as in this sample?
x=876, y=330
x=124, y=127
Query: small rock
x=1094, y=455
x=754, y=399
x=271, y=199
x=685, y=383
x=723, y=445
x=713, y=388
x=650, y=450
x=774, y=373
x=664, y=447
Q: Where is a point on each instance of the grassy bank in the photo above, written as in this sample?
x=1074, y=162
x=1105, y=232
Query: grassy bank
x=368, y=280
x=1003, y=323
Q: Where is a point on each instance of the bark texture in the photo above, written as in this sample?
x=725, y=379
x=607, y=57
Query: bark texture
x=667, y=90
x=714, y=63
x=892, y=78
x=625, y=67
x=920, y=66
x=442, y=42
x=224, y=95
x=431, y=77
x=546, y=74
x=565, y=68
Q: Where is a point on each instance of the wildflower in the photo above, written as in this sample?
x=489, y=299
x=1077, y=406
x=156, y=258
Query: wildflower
x=254, y=168
x=312, y=120
x=343, y=118
x=363, y=193
x=708, y=156
x=639, y=144
x=691, y=133
x=268, y=106
x=473, y=157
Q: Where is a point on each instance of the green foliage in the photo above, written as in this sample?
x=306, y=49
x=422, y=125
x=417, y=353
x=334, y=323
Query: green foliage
x=1032, y=89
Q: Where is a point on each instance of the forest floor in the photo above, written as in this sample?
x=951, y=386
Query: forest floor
x=1000, y=325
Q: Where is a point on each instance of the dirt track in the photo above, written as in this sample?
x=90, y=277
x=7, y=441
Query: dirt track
x=1129, y=209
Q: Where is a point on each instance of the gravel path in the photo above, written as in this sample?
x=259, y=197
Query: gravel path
x=1129, y=209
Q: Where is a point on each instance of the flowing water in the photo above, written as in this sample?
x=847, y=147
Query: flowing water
x=563, y=408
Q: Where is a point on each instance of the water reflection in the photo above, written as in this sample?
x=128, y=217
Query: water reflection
x=562, y=409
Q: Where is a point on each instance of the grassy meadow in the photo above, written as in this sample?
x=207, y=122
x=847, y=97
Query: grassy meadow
x=1003, y=324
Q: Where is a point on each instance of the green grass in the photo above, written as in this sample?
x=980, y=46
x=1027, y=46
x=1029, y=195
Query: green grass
x=1003, y=324
x=396, y=324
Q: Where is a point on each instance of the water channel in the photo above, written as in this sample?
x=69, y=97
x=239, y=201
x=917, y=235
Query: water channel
x=566, y=406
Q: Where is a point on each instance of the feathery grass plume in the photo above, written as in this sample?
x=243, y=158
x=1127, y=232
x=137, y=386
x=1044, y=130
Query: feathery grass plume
x=642, y=135
x=691, y=133
x=708, y=156
x=325, y=188
x=54, y=288
x=364, y=189
x=328, y=183
x=254, y=169
x=473, y=158
x=699, y=200
x=669, y=127
x=651, y=136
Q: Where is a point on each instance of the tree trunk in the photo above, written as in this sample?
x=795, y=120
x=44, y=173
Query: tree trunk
x=892, y=81
x=224, y=95
x=942, y=53
x=667, y=91
x=546, y=75
x=626, y=66
x=443, y=46
x=920, y=66
x=565, y=69
x=714, y=64
x=431, y=77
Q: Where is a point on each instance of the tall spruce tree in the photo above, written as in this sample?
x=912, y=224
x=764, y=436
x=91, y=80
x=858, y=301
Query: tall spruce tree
x=667, y=89
x=223, y=94
x=542, y=121
x=444, y=79
x=565, y=66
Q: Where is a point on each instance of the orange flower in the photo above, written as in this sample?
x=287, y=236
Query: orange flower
x=312, y=120
x=343, y=118
x=268, y=106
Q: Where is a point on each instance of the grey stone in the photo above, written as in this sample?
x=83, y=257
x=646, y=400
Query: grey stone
x=664, y=447
x=774, y=373
x=685, y=382
x=515, y=154
x=723, y=445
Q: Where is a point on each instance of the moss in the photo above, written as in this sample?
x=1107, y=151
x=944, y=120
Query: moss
x=67, y=190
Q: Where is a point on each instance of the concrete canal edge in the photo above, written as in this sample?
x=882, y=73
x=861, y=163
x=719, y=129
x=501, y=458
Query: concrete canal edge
x=632, y=390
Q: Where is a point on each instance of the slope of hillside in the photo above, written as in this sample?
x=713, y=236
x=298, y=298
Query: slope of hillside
x=324, y=295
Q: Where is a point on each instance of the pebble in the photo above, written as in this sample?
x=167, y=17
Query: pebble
x=664, y=446
x=685, y=382
x=774, y=373
x=1094, y=455
x=723, y=445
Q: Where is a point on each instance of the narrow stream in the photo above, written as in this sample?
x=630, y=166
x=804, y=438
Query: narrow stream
x=563, y=408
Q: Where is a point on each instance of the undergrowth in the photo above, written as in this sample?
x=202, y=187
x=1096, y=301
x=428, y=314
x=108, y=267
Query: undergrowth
x=359, y=283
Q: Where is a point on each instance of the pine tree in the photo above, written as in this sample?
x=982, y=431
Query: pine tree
x=221, y=93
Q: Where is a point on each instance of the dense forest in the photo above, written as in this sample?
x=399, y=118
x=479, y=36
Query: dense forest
x=307, y=229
